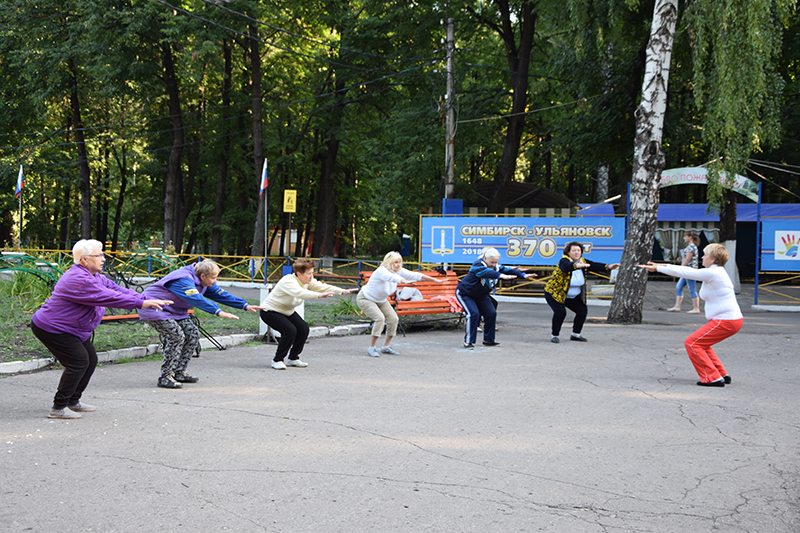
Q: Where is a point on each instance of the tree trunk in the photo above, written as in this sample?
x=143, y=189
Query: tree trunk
x=325, y=227
x=519, y=65
x=83, y=162
x=222, y=168
x=258, y=150
x=123, y=172
x=186, y=198
x=174, y=176
x=602, y=184
x=649, y=160
x=63, y=234
x=727, y=235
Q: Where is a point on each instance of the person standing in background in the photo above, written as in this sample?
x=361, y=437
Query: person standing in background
x=689, y=258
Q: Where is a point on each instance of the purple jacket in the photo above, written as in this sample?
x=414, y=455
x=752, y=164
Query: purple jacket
x=79, y=300
x=157, y=291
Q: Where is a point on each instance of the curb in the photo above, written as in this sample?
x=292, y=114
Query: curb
x=18, y=367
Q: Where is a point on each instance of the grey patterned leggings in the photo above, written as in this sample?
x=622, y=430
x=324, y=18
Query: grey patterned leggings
x=179, y=340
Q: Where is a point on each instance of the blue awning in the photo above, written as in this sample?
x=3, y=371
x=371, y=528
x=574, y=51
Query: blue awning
x=697, y=212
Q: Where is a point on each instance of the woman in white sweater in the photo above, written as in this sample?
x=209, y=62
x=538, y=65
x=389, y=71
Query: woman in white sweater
x=278, y=310
x=372, y=299
x=722, y=311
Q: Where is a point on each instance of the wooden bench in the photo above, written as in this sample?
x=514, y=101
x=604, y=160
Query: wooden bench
x=119, y=319
x=429, y=290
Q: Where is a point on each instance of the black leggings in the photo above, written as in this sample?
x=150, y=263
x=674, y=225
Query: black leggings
x=575, y=305
x=293, y=330
x=78, y=358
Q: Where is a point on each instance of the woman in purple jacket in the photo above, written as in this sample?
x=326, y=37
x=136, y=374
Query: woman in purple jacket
x=66, y=321
x=190, y=286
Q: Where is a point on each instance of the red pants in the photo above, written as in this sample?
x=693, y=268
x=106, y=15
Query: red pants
x=699, y=347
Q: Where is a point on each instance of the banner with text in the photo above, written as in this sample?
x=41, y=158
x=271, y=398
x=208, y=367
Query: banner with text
x=520, y=241
x=780, y=239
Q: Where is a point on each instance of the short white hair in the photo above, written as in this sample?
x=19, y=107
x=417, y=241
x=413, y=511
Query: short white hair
x=490, y=252
x=84, y=247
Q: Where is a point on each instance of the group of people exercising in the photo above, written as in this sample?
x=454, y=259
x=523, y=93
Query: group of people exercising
x=67, y=319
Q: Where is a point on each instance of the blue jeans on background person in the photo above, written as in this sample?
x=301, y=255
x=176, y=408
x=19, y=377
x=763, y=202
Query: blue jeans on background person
x=683, y=282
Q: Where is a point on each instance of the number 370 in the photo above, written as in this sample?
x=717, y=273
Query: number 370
x=528, y=247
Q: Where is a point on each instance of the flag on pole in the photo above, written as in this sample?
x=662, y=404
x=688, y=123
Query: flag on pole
x=20, y=183
x=264, y=180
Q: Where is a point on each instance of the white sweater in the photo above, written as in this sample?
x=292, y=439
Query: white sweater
x=289, y=293
x=716, y=292
x=383, y=282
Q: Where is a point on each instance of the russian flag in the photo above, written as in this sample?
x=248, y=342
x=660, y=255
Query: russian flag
x=20, y=183
x=264, y=180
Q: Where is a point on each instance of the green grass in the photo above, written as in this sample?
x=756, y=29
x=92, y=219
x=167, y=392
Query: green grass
x=17, y=342
x=20, y=299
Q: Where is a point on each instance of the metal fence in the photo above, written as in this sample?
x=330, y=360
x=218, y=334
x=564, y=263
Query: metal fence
x=139, y=269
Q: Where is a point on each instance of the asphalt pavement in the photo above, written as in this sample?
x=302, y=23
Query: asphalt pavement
x=607, y=436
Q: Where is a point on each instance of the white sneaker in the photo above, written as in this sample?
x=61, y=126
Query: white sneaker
x=296, y=362
x=373, y=352
x=389, y=350
x=279, y=365
x=65, y=414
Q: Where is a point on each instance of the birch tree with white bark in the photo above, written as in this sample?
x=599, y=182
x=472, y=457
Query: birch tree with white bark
x=648, y=162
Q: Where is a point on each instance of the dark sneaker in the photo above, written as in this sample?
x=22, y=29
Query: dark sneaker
x=487, y=343
x=183, y=377
x=468, y=345
x=554, y=339
x=578, y=338
x=168, y=383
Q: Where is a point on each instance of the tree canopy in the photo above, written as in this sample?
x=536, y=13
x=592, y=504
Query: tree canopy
x=145, y=121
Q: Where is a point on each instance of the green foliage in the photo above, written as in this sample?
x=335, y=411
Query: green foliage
x=356, y=89
x=27, y=291
x=736, y=85
x=347, y=307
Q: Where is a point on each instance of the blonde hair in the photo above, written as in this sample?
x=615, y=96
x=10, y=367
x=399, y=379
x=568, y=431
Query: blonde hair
x=206, y=267
x=718, y=253
x=84, y=247
x=390, y=258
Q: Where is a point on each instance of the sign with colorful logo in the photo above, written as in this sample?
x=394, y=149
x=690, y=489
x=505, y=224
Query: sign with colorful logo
x=780, y=245
x=786, y=243
x=520, y=241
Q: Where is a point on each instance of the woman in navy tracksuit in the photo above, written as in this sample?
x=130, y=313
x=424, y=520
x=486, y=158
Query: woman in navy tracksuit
x=473, y=292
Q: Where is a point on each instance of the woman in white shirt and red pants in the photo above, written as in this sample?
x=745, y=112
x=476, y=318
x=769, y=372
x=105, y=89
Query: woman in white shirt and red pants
x=722, y=311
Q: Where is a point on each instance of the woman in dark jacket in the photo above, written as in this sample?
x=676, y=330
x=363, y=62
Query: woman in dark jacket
x=473, y=293
x=567, y=289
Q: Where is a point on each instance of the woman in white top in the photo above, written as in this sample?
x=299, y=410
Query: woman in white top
x=722, y=311
x=689, y=258
x=372, y=299
x=278, y=310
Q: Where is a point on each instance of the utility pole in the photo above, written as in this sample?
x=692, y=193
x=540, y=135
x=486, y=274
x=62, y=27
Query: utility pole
x=450, y=102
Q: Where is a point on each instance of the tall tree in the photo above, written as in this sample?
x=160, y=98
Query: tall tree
x=648, y=162
x=516, y=28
